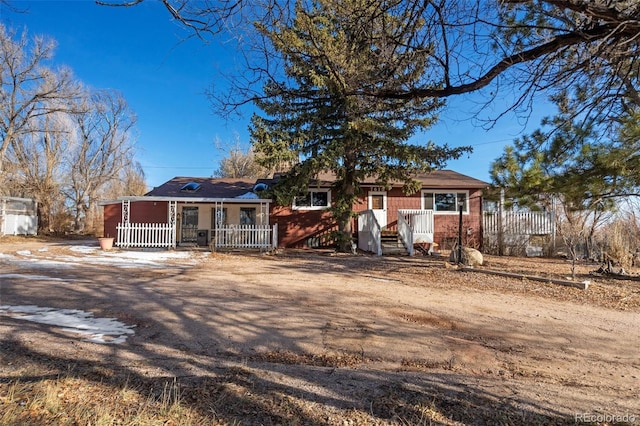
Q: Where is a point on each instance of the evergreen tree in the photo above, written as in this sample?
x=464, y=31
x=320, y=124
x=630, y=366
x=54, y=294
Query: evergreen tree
x=314, y=116
x=581, y=162
x=576, y=168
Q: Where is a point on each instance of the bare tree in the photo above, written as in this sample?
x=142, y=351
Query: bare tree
x=239, y=162
x=513, y=48
x=131, y=182
x=58, y=142
x=102, y=151
x=577, y=225
x=204, y=17
x=38, y=156
x=28, y=89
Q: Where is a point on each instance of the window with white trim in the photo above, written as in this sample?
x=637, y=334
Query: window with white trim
x=445, y=201
x=315, y=199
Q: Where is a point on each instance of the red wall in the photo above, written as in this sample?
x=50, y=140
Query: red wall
x=112, y=216
x=139, y=212
x=296, y=226
x=446, y=226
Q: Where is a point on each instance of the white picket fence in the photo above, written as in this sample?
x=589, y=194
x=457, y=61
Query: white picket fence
x=263, y=237
x=146, y=235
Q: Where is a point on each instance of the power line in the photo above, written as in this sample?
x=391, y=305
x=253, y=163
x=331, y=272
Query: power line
x=178, y=167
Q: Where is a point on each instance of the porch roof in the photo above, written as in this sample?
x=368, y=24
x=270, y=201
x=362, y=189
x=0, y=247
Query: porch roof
x=191, y=200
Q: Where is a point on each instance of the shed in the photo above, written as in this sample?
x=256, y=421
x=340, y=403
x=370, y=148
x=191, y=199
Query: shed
x=18, y=216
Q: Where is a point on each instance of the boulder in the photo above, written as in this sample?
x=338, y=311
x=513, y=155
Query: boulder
x=470, y=257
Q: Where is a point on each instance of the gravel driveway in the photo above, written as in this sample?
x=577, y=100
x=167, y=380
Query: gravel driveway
x=339, y=332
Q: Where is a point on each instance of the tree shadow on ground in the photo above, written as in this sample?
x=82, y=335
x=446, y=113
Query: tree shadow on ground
x=245, y=395
x=197, y=334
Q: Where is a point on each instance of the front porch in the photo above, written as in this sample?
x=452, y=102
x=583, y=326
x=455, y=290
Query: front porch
x=414, y=227
x=216, y=224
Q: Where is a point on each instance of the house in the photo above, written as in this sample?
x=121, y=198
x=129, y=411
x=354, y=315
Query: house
x=230, y=213
x=192, y=211
x=18, y=216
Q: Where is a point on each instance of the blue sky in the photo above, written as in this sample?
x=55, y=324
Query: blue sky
x=142, y=53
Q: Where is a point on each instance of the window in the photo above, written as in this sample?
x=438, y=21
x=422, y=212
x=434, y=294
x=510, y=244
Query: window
x=377, y=202
x=445, y=202
x=247, y=216
x=314, y=200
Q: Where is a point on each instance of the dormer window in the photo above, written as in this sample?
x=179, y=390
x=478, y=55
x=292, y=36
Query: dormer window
x=190, y=187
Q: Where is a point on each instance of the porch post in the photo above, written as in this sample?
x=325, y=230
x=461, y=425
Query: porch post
x=3, y=212
x=126, y=206
x=501, y=221
x=218, y=222
x=460, y=234
x=124, y=234
x=173, y=211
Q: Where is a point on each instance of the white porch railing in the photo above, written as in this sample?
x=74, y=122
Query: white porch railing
x=369, y=233
x=414, y=227
x=263, y=237
x=421, y=223
x=146, y=235
x=405, y=233
x=518, y=223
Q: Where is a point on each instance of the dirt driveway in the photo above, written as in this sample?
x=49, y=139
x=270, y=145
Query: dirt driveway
x=354, y=337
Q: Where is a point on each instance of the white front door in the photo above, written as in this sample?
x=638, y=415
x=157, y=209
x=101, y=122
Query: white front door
x=378, y=205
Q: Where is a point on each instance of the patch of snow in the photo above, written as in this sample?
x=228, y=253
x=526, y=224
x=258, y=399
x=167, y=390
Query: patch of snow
x=248, y=196
x=31, y=277
x=83, y=249
x=35, y=263
x=85, y=254
x=97, y=330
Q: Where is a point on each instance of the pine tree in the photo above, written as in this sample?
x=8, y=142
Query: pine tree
x=320, y=124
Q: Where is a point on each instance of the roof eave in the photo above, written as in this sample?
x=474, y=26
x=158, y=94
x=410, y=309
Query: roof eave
x=189, y=200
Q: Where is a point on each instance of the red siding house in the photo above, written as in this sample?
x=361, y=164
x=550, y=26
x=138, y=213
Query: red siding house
x=231, y=213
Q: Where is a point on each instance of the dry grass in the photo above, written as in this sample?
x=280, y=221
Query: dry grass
x=234, y=399
x=71, y=400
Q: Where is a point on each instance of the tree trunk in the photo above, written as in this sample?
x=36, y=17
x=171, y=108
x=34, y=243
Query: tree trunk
x=344, y=211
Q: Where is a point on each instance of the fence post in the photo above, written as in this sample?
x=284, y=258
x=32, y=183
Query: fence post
x=501, y=223
x=274, y=237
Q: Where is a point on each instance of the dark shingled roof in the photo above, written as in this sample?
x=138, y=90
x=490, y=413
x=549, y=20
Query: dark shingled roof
x=437, y=179
x=232, y=188
x=209, y=188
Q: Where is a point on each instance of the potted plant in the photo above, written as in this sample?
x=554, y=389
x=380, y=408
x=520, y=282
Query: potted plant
x=106, y=243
